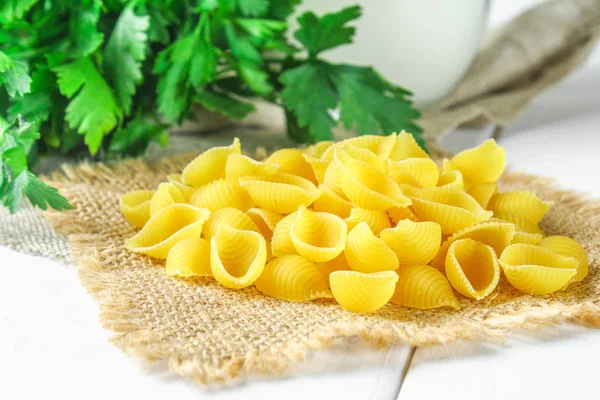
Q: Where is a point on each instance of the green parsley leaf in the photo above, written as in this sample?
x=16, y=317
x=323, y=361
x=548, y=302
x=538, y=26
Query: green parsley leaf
x=136, y=136
x=124, y=53
x=309, y=93
x=224, y=104
x=281, y=9
x=14, y=9
x=93, y=109
x=253, y=8
x=39, y=194
x=318, y=34
x=14, y=76
x=84, y=32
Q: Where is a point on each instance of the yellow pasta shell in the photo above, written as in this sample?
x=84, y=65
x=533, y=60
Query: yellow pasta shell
x=185, y=190
x=381, y=146
x=453, y=209
x=421, y=172
x=167, y=227
x=222, y=193
x=291, y=161
x=521, y=222
x=413, y=242
x=317, y=149
x=524, y=204
x=335, y=169
x=240, y=165
x=367, y=253
x=280, y=193
x=318, y=166
x=568, y=247
x=536, y=270
x=406, y=147
x=266, y=221
x=497, y=235
x=228, y=216
x=294, y=278
x=424, y=287
x=189, y=257
x=483, y=192
x=331, y=202
x=165, y=195
x=360, y=292
x=318, y=236
x=472, y=268
x=453, y=179
x=281, y=242
x=484, y=163
x=135, y=206
x=377, y=220
x=397, y=214
x=237, y=257
x=337, y=264
x=174, y=178
x=368, y=187
x=526, y=238
x=209, y=165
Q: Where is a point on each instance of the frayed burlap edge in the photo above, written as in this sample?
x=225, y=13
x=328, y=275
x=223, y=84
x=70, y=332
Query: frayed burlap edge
x=118, y=314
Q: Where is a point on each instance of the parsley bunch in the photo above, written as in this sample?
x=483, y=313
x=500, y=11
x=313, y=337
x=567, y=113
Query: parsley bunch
x=109, y=77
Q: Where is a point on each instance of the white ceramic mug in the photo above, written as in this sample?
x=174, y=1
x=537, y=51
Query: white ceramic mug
x=425, y=46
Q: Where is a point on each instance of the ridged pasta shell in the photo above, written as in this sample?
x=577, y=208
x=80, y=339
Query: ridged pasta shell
x=337, y=264
x=135, y=207
x=497, y=235
x=397, y=214
x=526, y=238
x=521, y=222
x=266, y=221
x=189, y=257
x=167, y=227
x=453, y=209
x=483, y=192
x=406, y=147
x=237, y=257
x=174, y=178
x=318, y=236
x=317, y=149
x=367, y=253
x=165, y=195
x=536, y=270
x=377, y=220
x=228, y=216
x=484, y=163
x=413, y=242
x=281, y=242
x=568, y=247
x=421, y=172
x=360, y=292
x=381, y=146
x=472, y=268
x=185, y=190
x=453, y=179
x=291, y=161
x=522, y=203
x=222, y=193
x=368, y=187
x=424, y=287
x=333, y=173
x=240, y=165
x=318, y=166
x=293, y=278
x=331, y=202
x=209, y=165
x=280, y=193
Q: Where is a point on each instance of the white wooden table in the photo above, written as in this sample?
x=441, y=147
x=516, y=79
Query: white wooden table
x=51, y=343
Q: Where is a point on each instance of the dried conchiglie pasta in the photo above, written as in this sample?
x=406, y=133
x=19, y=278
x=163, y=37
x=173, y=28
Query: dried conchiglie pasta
x=381, y=146
x=293, y=278
x=228, y=216
x=568, y=247
x=318, y=236
x=185, y=190
x=165, y=195
x=483, y=192
x=377, y=220
x=335, y=169
x=367, y=187
x=397, y=214
x=167, y=227
x=521, y=222
x=209, y=165
x=331, y=202
x=189, y=257
x=453, y=179
x=497, y=235
x=453, y=209
x=237, y=257
x=240, y=165
x=135, y=206
x=318, y=166
x=472, y=268
x=406, y=147
x=360, y=292
x=174, y=178
x=281, y=242
x=536, y=270
x=421, y=172
x=291, y=161
x=367, y=253
x=280, y=193
x=337, y=264
x=317, y=149
x=222, y=193
x=522, y=203
x=413, y=242
x=266, y=221
x=424, y=287
x=484, y=163
x=526, y=237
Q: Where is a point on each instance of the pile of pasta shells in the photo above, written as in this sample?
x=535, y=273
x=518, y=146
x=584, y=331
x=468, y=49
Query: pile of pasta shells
x=365, y=221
